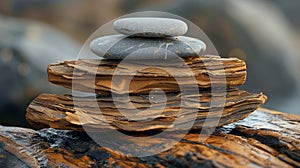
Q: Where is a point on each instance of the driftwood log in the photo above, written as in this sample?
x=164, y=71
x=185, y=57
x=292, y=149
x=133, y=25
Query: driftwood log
x=264, y=139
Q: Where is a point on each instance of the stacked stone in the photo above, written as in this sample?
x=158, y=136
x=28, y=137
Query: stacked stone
x=155, y=35
x=148, y=49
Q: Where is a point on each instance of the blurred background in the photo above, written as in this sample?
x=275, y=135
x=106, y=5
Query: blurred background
x=35, y=33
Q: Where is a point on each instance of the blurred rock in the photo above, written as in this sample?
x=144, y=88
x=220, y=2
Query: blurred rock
x=26, y=48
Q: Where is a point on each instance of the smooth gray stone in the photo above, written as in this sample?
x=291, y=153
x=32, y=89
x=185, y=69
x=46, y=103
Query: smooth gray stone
x=120, y=46
x=150, y=27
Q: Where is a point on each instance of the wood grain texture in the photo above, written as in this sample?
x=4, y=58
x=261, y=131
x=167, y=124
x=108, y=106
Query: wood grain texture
x=264, y=139
x=67, y=112
x=96, y=75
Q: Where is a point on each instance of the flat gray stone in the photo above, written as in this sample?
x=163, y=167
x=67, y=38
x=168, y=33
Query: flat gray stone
x=150, y=27
x=120, y=46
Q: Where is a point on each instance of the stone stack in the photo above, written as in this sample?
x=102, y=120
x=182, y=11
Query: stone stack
x=150, y=75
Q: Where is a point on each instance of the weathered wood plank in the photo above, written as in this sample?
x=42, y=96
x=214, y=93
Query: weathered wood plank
x=61, y=112
x=96, y=75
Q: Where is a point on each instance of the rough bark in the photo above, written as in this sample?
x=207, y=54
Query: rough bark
x=264, y=139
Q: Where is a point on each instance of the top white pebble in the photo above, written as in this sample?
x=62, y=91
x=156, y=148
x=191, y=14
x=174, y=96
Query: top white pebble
x=150, y=27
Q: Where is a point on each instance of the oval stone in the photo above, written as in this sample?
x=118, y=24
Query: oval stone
x=120, y=46
x=150, y=27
